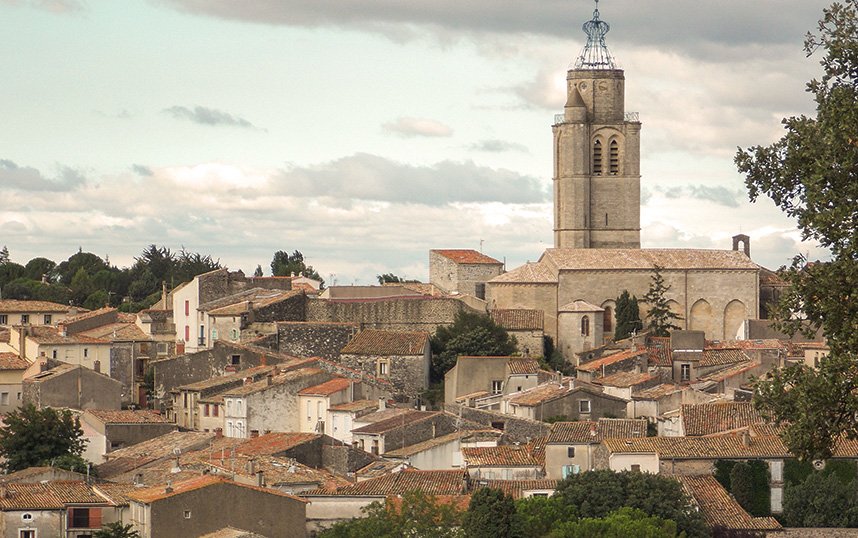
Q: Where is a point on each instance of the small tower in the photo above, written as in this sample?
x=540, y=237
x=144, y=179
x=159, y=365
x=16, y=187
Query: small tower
x=596, y=153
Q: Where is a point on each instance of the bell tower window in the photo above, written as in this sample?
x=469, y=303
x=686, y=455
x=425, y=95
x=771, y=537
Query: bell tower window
x=597, y=158
x=615, y=158
x=585, y=326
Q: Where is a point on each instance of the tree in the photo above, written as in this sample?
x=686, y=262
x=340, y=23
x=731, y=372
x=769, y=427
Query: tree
x=810, y=173
x=623, y=522
x=821, y=500
x=116, y=530
x=660, y=317
x=490, y=515
x=470, y=334
x=4, y=255
x=258, y=271
x=535, y=516
x=628, y=316
x=285, y=264
x=598, y=493
x=32, y=437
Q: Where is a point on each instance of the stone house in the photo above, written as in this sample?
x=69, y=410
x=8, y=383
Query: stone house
x=315, y=401
x=572, y=400
x=269, y=405
x=311, y=339
x=68, y=509
x=402, y=357
x=444, y=452
x=483, y=381
x=571, y=446
x=506, y=462
x=655, y=402
x=526, y=326
x=401, y=430
x=32, y=342
x=18, y=312
x=188, y=409
x=71, y=386
x=158, y=325
x=228, y=316
x=580, y=328
x=12, y=368
x=193, y=508
x=403, y=313
x=341, y=418
x=462, y=271
x=629, y=360
x=107, y=430
x=625, y=384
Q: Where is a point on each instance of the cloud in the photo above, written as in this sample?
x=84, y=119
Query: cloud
x=141, y=170
x=54, y=6
x=719, y=195
x=497, y=146
x=26, y=178
x=209, y=116
x=411, y=127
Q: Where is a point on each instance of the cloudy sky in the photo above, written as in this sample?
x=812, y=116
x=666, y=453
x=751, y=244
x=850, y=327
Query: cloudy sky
x=366, y=132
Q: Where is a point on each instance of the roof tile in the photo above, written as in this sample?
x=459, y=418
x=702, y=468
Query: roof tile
x=377, y=342
x=466, y=256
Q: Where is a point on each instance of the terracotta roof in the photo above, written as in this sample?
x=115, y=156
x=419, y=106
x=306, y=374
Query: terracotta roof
x=657, y=392
x=726, y=446
x=54, y=495
x=11, y=361
x=529, y=273
x=416, y=448
x=327, y=388
x=722, y=356
x=597, y=364
x=277, y=471
x=159, y=493
x=709, y=418
x=64, y=368
x=355, y=406
x=264, y=384
x=112, y=416
x=230, y=532
x=45, y=334
x=523, y=366
x=628, y=258
x=624, y=379
x=519, y=319
x=770, y=343
x=539, y=394
x=162, y=446
x=466, y=256
x=517, y=488
x=428, y=482
x=728, y=372
x=117, y=332
x=404, y=419
x=581, y=432
x=501, y=456
x=719, y=508
x=660, y=355
x=116, y=493
x=260, y=300
x=380, y=468
x=580, y=306
x=92, y=314
x=224, y=379
x=275, y=443
x=376, y=342
x=25, y=307
x=383, y=414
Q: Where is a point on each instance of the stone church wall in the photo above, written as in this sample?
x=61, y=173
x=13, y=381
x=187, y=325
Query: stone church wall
x=392, y=314
x=535, y=296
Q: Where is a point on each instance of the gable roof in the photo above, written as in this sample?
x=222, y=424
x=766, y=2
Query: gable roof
x=710, y=418
x=378, y=342
x=597, y=364
x=719, y=508
x=724, y=446
x=518, y=319
x=260, y=299
x=31, y=307
x=141, y=416
x=53, y=495
x=398, y=421
x=589, y=431
x=11, y=361
x=722, y=356
x=517, y=488
x=275, y=443
x=466, y=256
x=428, y=482
x=624, y=379
x=502, y=456
x=529, y=273
x=588, y=259
x=45, y=334
x=522, y=366
x=327, y=388
x=159, y=493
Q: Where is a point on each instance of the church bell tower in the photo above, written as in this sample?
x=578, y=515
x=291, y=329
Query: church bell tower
x=596, y=153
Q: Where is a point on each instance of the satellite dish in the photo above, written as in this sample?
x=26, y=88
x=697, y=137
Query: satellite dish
x=819, y=464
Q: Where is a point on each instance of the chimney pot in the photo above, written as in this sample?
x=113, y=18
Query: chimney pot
x=218, y=433
x=746, y=438
x=260, y=479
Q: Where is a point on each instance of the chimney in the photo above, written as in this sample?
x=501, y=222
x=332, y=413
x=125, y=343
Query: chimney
x=168, y=488
x=249, y=306
x=268, y=380
x=177, y=468
x=593, y=430
x=382, y=404
x=746, y=438
x=63, y=330
x=72, y=311
x=251, y=466
x=218, y=433
x=260, y=479
x=43, y=366
x=138, y=479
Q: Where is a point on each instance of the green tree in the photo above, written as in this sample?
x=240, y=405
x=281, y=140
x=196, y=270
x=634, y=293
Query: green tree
x=470, y=334
x=535, y=516
x=81, y=286
x=810, y=173
x=116, y=530
x=821, y=500
x=285, y=264
x=749, y=485
x=598, y=493
x=660, y=317
x=4, y=255
x=39, y=268
x=490, y=515
x=628, y=316
x=33, y=437
x=619, y=524
x=258, y=271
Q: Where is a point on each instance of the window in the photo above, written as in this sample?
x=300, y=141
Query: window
x=187, y=308
x=215, y=410
x=4, y=319
x=162, y=348
x=636, y=468
x=585, y=326
x=85, y=352
x=497, y=387
x=214, y=334
x=615, y=158
x=187, y=514
x=583, y=406
x=235, y=334
x=25, y=318
x=27, y=517
x=229, y=407
x=48, y=319
x=238, y=407
x=206, y=410
x=4, y=398
x=570, y=470
x=570, y=452
x=597, y=158
x=235, y=360
x=608, y=320
x=229, y=432
x=54, y=354
x=685, y=372
x=26, y=533
x=19, y=396
x=202, y=337
x=382, y=368
x=480, y=291
x=84, y=518
x=187, y=333
x=185, y=399
x=319, y=409
x=375, y=446
x=308, y=410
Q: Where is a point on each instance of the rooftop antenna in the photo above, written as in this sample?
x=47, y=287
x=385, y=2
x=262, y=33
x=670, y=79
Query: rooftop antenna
x=595, y=54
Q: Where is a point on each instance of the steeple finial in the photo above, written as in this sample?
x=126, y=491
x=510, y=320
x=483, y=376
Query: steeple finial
x=595, y=54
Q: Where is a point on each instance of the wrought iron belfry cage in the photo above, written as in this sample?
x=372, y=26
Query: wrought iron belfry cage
x=595, y=54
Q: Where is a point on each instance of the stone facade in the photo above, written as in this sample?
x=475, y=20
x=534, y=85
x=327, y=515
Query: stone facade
x=577, y=404
x=515, y=429
x=75, y=387
x=314, y=339
x=462, y=272
x=404, y=314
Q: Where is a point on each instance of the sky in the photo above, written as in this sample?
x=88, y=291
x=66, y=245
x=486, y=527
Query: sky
x=366, y=132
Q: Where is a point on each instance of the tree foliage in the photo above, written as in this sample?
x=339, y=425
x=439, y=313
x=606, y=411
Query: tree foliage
x=660, y=317
x=619, y=524
x=821, y=500
x=285, y=264
x=116, y=530
x=628, y=316
x=32, y=437
x=535, y=516
x=490, y=514
x=811, y=173
x=470, y=334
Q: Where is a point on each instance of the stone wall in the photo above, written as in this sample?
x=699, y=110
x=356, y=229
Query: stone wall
x=416, y=432
x=601, y=405
x=122, y=435
x=516, y=429
x=128, y=365
x=409, y=375
x=537, y=296
x=276, y=408
x=78, y=388
x=291, y=309
x=314, y=339
x=345, y=459
x=406, y=314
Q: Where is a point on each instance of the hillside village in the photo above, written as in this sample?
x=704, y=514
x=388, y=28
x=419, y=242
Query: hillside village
x=273, y=406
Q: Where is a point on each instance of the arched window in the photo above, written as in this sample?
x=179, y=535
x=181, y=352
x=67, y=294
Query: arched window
x=608, y=321
x=585, y=326
x=597, y=158
x=615, y=158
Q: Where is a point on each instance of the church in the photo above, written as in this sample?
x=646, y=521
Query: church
x=597, y=254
